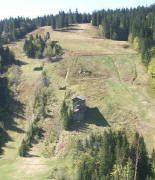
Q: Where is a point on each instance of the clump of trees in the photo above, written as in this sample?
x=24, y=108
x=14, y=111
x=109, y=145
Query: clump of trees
x=34, y=46
x=52, y=49
x=111, y=156
x=37, y=47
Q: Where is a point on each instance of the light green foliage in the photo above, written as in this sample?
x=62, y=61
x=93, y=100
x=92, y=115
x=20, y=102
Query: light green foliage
x=13, y=75
x=151, y=71
x=101, y=30
x=130, y=38
x=123, y=172
x=40, y=102
x=60, y=174
x=42, y=96
x=152, y=52
x=37, y=43
x=52, y=49
x=97, y=157
x=48, y=150
x=65, y=115
x=48, y=52
x=136, y=43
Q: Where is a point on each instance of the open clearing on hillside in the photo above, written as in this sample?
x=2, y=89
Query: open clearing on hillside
x=83, y=39
x=118, y=82
x=112, y=78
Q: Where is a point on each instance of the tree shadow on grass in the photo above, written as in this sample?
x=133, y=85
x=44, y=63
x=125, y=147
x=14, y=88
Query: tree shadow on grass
x=92, y=116
x=19, y=63
x=57, y=59
x=4, y=137
x=69, y=29
x=31, y=155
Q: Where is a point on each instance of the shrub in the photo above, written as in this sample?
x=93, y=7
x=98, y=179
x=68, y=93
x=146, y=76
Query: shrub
x=151, y=71
x=136, y=43
x=23, y=148
x=66, y=114
x=125, y=46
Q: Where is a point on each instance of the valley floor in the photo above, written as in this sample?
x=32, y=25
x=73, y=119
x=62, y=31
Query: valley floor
x=111, y=76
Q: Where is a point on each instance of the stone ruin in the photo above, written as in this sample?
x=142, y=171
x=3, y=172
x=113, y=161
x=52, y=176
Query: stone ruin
x=79, y=108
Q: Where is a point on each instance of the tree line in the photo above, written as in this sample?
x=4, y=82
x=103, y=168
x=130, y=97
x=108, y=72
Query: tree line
x=137, y=25
x=15, y=28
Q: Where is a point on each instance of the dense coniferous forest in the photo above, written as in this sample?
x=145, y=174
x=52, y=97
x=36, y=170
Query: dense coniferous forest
x=136, y=25
x=15, y=28
x=111, y=157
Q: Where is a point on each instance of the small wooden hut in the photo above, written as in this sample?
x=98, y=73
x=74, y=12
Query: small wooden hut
x=79, y=107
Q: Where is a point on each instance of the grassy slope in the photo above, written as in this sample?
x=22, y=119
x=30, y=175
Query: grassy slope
x=116, y=93
x=118, y=84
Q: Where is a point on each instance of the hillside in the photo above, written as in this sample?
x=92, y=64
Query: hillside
x=111, y=76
